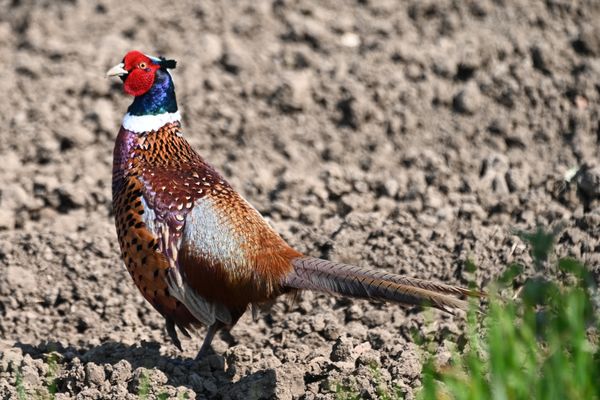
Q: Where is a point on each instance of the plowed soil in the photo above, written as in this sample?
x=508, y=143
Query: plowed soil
x=410, y=136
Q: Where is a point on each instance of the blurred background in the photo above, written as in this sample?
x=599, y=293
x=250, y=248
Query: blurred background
x=407, y=135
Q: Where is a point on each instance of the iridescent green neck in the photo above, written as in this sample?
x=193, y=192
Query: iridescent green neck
x=159, y=99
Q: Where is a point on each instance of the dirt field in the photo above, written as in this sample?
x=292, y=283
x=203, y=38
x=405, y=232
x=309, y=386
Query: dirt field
x=410, y=136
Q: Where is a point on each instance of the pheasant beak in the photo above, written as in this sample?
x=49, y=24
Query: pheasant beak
x=117, y=70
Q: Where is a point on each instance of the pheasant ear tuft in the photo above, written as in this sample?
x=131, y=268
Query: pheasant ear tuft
x=167, y=64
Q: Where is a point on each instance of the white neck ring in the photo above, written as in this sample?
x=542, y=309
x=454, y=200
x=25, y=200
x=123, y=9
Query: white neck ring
x=147, y=123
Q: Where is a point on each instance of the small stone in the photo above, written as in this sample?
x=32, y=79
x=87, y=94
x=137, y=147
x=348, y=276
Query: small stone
x=414, y=72
x=528, y=216
x=375, y=318
x=78, y=135
x=354, y=312
x=472, y=211
x=15, y=197
x=443, y=65
x=468, y=100
x=235, y=57
x=67, y=198
x=493, y=173
x=212, y=47
x=290, y=382
x=588, y=181
x=91, y=393
x=252, y=386
x=317, y=365
x=158, y=378
x=357, y=330
x=411, y=362
x=303, y=28
x=581, y=102
x=30, y=375
x=11, y=162
x=353, y=201
x=19, y=277
x=541, y=59
x=266, y=360
x=588, y=41
x=434, y=198
x=341, y=350
x=516, y=180
x=348, y=113
x=317, y=323
x=350, y=39
x=380, y=337
x=94, y=375
x=369, y=357
x=294, y=94
x=499, y=126
x=361, y=349
x=7, y=219
x=391, y=187
x=331, y=330
x=238, y=360
x=121, y=372
x=10, y=359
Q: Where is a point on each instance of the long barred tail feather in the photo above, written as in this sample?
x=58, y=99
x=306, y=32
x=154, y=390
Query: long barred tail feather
x=366, y=283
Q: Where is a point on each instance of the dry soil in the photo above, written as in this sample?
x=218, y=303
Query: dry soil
x=407, y=135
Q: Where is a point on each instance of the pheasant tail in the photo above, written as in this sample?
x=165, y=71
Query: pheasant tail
x=365, y=283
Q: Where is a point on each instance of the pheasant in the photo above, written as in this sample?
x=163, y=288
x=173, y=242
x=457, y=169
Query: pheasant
x=199, y=253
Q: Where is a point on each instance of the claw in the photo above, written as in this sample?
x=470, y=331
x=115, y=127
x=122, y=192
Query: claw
x=173, y=333
x=184, y=331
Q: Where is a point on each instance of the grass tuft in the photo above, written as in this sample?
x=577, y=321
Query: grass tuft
x=346, y=391
x=381, y=389
x=21, y=393
x=51, y=376
x=144, y=386
x=539, y=342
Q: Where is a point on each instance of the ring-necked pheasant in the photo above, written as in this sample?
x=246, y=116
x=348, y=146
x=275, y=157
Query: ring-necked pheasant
x=199, y=252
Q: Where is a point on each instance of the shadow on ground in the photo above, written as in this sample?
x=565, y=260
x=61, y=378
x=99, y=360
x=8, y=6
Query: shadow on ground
x=137, y=363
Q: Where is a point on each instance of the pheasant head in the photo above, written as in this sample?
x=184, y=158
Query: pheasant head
x=147, y=79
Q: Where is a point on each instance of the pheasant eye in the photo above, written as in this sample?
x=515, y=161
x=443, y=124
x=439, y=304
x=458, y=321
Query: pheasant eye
x=142, y=65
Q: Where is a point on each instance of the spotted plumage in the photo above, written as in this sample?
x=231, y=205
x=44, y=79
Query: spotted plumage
x=198, y=251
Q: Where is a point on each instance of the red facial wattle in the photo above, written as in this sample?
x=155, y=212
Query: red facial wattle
x=139, y=81
x=141, y=73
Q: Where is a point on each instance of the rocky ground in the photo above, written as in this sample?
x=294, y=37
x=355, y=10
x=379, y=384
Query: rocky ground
x=411, y=136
